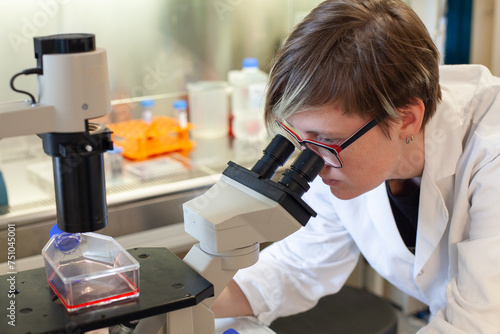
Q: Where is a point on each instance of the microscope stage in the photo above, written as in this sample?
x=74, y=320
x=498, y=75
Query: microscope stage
x=166, y=284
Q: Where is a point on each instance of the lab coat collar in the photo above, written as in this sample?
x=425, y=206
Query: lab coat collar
x=442, y=136
x=383, y=220
x=443, y=147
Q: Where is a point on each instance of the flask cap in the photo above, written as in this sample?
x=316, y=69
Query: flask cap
x=66, y=243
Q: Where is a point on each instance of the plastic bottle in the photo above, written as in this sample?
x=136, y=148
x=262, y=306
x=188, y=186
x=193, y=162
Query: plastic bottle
x=113, y=162
x=147, y=111
x=247, y=100
x=180, y=108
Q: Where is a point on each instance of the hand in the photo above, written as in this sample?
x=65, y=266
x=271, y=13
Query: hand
x=232, y=302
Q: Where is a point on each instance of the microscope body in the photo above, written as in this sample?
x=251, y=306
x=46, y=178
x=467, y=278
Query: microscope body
x=230, y=220
x=243, y=209
x=240, y=217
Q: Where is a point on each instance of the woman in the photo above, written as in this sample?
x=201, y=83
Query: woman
x=413, y=190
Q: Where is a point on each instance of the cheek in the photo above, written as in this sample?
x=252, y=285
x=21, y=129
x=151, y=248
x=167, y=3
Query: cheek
x=370, y=164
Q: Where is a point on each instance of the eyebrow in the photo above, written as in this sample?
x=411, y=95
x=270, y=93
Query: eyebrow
x=329, y=135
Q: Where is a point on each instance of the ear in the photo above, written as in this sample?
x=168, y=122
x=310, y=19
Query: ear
x=411, y=118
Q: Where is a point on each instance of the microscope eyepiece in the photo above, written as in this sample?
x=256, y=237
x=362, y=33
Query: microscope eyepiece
x=277, y=152
x=294, y=182
x=302, y=171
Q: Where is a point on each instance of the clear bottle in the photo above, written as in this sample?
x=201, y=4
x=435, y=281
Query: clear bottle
x=113, y=162
x=180, y=109
x=247, y=100
x=147, y=111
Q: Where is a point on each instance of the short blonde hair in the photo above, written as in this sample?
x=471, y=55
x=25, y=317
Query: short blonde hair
x=371, y=56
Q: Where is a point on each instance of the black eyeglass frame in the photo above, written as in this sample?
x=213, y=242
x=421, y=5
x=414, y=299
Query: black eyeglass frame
x=334, y=149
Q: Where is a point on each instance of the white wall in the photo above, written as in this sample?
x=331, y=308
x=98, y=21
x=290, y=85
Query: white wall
x=485, y=34
x=432, y=12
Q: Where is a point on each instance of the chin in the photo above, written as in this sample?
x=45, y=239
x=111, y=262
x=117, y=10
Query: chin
x=345, y=195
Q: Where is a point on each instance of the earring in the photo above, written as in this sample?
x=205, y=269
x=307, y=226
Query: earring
x=409, y=139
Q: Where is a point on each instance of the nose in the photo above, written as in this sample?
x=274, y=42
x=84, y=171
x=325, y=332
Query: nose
x=327, y=164
x=325, y=170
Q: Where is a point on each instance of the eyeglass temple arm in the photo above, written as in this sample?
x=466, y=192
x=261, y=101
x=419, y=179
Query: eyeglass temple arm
x=359, y=133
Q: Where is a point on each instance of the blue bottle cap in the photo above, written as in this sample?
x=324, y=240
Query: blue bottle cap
x=148, y=103
x=180, y=104
x=230, y=331
x=250, y=62
x=116, y=150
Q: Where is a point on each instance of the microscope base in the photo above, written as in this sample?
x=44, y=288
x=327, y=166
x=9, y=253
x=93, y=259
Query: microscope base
x=166, y=284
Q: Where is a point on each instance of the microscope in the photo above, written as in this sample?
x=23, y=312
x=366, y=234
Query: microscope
x=73, y=84
x=245, y=208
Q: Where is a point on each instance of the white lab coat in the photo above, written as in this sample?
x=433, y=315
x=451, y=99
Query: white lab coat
x=456, y=268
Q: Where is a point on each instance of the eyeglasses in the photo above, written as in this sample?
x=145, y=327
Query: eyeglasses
x=330, y=153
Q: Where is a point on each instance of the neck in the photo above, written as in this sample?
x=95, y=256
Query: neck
x=401, y=187
x=412, y=159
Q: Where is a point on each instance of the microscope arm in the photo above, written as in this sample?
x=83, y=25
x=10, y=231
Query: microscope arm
x=21, y=119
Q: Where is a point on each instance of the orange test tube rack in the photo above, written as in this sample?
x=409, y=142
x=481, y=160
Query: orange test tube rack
x=141, y=140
